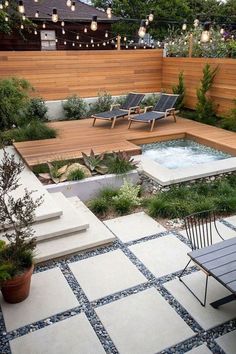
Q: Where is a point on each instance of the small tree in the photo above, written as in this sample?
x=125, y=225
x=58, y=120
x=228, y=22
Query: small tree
x=75, y=108
x=179, y=89
x=205, y=107
x=16, y=218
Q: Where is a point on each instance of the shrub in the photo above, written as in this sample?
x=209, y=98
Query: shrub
x=37, y=109
x=150, y=100
x=76, y=175
x=205, y=107
x=75, y=108
x=35, y=130
x=120, y=162
x=108, y=193
x=14, y=99
x=98, y=206
x=229, y=121
x=179, y=89
x=127, y=197
x=102, y=104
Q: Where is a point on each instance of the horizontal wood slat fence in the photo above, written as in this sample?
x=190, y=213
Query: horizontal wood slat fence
x=223, y=91
x=56, y=75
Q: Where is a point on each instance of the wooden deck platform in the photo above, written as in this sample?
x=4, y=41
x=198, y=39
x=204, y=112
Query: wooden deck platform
x=79, y=136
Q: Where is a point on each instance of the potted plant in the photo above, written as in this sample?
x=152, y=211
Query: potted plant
x=17, y=214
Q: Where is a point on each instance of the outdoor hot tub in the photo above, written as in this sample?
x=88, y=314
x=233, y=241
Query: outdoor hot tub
x=180, y=160
x=181, y=153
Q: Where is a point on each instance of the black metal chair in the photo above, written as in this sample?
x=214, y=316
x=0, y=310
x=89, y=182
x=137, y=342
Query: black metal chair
x=199, y=228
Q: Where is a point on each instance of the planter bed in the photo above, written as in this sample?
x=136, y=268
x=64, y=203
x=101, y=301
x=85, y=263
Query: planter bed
x=90, y=187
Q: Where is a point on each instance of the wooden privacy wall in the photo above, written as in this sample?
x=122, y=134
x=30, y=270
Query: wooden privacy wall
x=56, y=75
x=223, y=91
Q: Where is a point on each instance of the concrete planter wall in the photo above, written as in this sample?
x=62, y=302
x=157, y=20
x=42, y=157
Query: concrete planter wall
x=89, y=188
x=56, y=111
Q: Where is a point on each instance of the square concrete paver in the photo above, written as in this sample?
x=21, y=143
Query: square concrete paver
x=163, y=255
x=202, y=349
x=232, y=221
x=143, y=323
x=134, y=226
x=50, y=294
x=207, y=317
x=228, y=342
x=224, y=231
x=106, y=274
x=73, y=336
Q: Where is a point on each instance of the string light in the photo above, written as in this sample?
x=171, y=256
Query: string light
x=106, y=34
x=125, y=39
x=6, y=4
x=63, y=31
x=36, y=0
x=91, y=40
x=142, y=29
x=62, y=23
x=147, y=20
x=109, y=11
x=77, y=36
x=6, y=18
x=44, y=25
x=36, y=14
x=222, y=30
x=151, y=16
x=22, y=26
x=1, y=5
x=85, y=29
x=23, y=17
x=64, y=42
x=73, y=6
x=21, y=7
x=205, y=36
x=73, y=44
x=94, y=24
x=86, y=45
x=184, y=26
x=35, y=32
x=54, y=15
x=69, y=3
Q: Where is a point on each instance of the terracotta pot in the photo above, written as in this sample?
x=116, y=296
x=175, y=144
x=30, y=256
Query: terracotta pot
x=17, y=289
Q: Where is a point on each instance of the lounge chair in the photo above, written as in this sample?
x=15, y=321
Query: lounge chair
x=163, y=108
x=130, y=105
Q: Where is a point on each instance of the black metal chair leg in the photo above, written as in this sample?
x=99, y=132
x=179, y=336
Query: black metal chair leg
x=206, y=286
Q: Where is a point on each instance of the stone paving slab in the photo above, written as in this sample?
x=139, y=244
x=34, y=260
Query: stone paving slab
x=228, y=342
x=163, y=255
x=224, y=231
x=106, y=274
x=207, y=317
x=202, y=349
x=143, y=323
x=50, y=294
x=232, y=221
x=73, y=336
x=132, y=227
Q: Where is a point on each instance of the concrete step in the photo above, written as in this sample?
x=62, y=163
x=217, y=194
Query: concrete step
x=69, y=222
x=96, y=235
x=48, y=209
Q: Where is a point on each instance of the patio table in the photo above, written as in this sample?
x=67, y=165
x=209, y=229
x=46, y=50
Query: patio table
x=219, y=261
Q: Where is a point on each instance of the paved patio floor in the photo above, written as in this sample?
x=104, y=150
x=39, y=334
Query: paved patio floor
x=124, y=298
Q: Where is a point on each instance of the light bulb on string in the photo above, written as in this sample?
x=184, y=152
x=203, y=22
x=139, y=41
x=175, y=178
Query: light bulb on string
x=98, y=45
x=142, y=29
x=62, y=23
x=85, y=29
x=21, y=7
x=1, y=5
x=80, y=45
x=56, y=40
x=222, y=30
x=94, y=24
x=36, y=14
x=35, y=32
x=205, y=36
x=23, y=17
x=125, y=39
x=63, y=31
x=106, y=34
x=73, y=6
x=44, y=25
x=77, y=37
x=91, y=40
x=86, y=45
x=147, y=21
x=73, y=44
x=69, y=3
x=22, y=26
x=64, y=42
x=6, y=3
x=151, y=16
x=109, y=11
x=184, y=26
x=54, y=15
x=36, y=0
x=135, y=47
x=93, y=45
x=104, y=44
x=6, y=18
